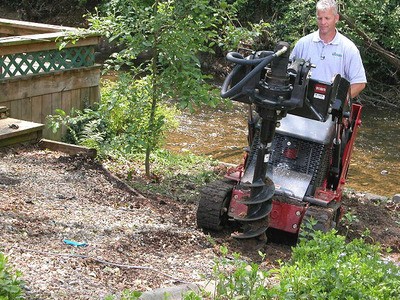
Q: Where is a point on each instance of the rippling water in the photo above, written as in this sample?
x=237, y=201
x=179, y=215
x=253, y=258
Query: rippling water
x=375, y=164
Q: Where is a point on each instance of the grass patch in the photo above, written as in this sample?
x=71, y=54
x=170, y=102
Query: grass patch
x=176, y=176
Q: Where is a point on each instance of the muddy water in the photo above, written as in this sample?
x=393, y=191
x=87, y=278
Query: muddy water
x=375, y=164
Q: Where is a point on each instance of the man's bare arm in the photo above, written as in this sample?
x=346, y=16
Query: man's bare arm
x=356, y=88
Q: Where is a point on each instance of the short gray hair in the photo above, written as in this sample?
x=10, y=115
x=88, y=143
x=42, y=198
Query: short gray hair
x=327, y=4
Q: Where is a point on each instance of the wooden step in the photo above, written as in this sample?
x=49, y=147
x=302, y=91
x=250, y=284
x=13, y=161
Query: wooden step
x=14, y=131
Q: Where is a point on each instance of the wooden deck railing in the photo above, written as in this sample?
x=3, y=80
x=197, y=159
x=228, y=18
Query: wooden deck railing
x=38, y=76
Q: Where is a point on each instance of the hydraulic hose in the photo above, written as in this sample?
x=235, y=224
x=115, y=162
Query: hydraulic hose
x=241, y=61
x=237, y=58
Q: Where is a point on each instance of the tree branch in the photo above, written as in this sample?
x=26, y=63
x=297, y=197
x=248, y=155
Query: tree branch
x=390, y=57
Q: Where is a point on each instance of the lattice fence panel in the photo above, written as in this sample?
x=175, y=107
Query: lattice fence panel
x=20, y=64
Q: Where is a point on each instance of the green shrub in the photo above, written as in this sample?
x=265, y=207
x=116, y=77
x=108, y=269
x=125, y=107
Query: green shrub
x=323, y=267
x=10, y=284
x=119, y=124
x=327, y=267
x=237, y=279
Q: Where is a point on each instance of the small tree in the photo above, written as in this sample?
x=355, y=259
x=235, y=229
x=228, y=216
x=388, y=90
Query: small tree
x=167, y=36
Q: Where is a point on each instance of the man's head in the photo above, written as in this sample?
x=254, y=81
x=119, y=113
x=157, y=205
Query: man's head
x=327, y=17
x=326, y=5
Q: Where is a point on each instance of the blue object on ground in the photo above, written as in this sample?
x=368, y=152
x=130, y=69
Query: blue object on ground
x=75, y=244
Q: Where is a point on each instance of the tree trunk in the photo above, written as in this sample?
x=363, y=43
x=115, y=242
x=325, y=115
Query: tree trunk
x=154, y=83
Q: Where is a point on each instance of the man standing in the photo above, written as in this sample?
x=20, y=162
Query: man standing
x=330, y=51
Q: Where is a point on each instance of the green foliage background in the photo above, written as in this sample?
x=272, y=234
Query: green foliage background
x=288, y=20
x=380, y=20
x=162, y=46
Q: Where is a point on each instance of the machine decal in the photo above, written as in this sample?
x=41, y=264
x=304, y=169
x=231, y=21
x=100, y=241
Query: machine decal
x=320, y=91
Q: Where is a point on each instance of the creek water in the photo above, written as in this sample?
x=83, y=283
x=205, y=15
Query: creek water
x=221, y=134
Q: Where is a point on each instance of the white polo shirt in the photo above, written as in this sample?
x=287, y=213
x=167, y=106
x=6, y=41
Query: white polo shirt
x=340, y=56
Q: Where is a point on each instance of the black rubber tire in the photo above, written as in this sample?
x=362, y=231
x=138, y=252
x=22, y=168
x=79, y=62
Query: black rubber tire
x=326, y=218
x=212, y=211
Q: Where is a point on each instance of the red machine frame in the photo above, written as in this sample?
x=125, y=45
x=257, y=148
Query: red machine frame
x=288, y=215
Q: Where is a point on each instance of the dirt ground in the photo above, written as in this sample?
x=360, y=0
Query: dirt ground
x=133, y=241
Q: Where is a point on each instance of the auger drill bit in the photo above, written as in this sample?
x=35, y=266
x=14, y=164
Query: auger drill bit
x=256, y=184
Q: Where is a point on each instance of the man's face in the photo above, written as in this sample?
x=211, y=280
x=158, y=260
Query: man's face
x=327, y=20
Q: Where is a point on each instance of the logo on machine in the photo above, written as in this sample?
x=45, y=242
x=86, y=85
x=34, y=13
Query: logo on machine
x=320, y=91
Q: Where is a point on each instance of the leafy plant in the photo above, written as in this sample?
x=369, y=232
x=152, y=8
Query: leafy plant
x=172, y=32
x=86, y=127
x=327, y=267
x=10, y=284
x=237, y=279
x=348, y=219
x=295, y=20
x=191, y=295
x=307, y=231
x=118, y=125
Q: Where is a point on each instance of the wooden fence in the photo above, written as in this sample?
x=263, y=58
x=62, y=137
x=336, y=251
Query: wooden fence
x=37, y=76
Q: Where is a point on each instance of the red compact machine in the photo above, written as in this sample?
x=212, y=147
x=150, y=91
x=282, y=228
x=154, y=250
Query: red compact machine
x=300, y=138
